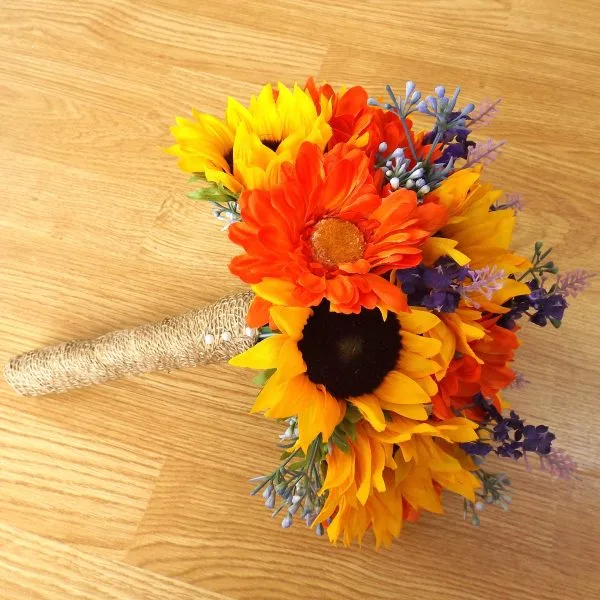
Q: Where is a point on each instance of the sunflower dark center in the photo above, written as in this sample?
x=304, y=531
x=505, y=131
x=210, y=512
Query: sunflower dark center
x=272, y=144
x=229, y=159
x=349, y=355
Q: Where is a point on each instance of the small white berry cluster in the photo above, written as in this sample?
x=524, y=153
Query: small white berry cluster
x=227, y=336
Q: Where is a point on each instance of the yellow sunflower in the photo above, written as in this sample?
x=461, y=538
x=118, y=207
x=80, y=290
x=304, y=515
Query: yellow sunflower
x=388, y=477
x=325, y=361
x=474, y=233
x=247, y=149
x=477, y=235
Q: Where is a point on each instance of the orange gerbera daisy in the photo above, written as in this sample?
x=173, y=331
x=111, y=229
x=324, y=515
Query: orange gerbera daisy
x=354, y=121
x=326, y=233
x=485, y=371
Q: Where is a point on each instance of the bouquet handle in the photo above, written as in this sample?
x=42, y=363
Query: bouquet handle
x=212, y=334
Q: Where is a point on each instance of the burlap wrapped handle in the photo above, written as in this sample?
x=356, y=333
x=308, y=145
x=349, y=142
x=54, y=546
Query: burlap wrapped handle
x=207, y=335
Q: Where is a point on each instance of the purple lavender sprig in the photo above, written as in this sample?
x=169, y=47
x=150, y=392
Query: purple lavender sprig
x=512, y=200
x=519, y=382
x=484, y=113
x=510, y=437
x=437, y=287
x=559, y=464
x=484, y=152
x=573, y=283
x=485, y=281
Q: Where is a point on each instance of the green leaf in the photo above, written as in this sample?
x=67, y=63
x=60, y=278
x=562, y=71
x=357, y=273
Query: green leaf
x=555, y=322
x=197, y=194
x=352, y=414
x=263, y=377
x=213, y=192
x=349, y=429
x=197, y=177
x=340, y=441
x=297, y=466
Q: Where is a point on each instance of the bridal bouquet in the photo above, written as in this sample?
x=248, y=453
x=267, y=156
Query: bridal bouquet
x=384, y=307
x=388, y=301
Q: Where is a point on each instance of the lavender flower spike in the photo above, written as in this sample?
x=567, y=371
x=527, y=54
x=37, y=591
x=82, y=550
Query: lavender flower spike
x=559, y=464
x=519, y=381
x=484, y=152
x=484, y=113
x=515, y=201
x=485, y=281
x=574, y=282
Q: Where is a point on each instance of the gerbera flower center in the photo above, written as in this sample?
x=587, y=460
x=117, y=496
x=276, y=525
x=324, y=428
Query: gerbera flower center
x=334, y=242
x=349, y=355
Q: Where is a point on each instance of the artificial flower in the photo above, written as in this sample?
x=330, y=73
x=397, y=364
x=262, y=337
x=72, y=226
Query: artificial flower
x=247, y=148
x=326, y=233
x=355, y=122
x=386, y=478
x=475, y=233
x=484, y=370
x=326, y=361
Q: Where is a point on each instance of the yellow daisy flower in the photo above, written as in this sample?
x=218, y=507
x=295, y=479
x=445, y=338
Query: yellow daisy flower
x=325, y=361
x=247, y=149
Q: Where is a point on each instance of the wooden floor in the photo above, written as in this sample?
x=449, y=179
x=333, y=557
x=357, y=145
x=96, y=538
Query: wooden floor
x=138, y=490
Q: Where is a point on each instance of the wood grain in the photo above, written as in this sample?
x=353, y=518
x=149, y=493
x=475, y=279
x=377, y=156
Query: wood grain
x=139, y=489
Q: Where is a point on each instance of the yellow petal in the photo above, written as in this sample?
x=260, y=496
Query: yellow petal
x=417, y=321
x=321, y=416
x=429, y=385
x=510, y=289
x=276, y=291
x=463, y=483
x=363, y=465
x=398, y=388
x=425, y=346
x=437, y=247
x=415, y=365
x=228, y=180
x=236, y=114
x=294, y=398
x=410, y=411
x=265, y=355
x=378, y=464
x=270, y=395
x=291, y=362
x=370, y=409
x=290, y=320
x=340, y=469
x=417, y=488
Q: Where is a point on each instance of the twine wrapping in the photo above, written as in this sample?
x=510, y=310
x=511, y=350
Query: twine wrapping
x=173, y=343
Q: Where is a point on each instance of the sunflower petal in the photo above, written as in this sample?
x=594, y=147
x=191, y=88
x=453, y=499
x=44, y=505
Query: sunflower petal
x=265, y=355
x=370, y=409
x=398, y=388
x=425, y=346
x=290, y=320
x=417, y=321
